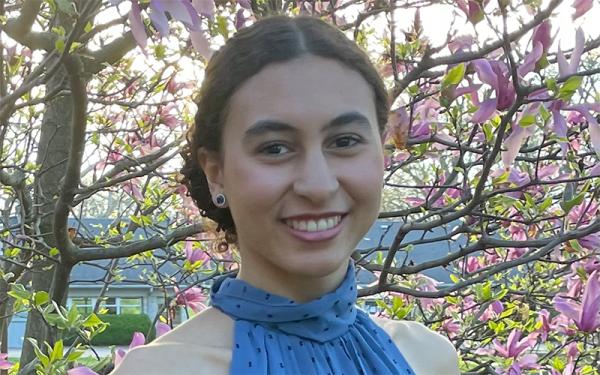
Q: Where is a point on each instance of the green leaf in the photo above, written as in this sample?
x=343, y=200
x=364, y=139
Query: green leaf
x=501, y=179
x=57, y=351
x=551, y=84
x=222, y=27
x=67, y=7
x=59, y=45
x=575, y=245
x=545, y=114
x=88, y=27
x=569, y=87
x=528, y=120
x=567, y=206
x=160, y=51
x=454, y=278
x=53, y=252
x=454, y=75
x=488, y=130
x=545, y=204
x=75, y=355
x=92, y=321
x=41, y=298
x=73, y=315
x=44, y=360
x=18, y=291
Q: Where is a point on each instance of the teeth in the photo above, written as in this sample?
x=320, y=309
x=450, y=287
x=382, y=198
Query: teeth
x=330, y=222
x=314, y=225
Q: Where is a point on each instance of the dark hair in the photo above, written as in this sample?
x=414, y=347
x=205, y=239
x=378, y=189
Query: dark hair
x=270, y=40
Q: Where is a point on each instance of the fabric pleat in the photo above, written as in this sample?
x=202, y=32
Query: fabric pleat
x=328, y=335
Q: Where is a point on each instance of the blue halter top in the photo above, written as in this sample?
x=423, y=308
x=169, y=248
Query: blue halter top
x=328, y=335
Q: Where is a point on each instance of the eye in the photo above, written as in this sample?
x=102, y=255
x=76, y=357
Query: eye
x=274, y=149
x=347, y=141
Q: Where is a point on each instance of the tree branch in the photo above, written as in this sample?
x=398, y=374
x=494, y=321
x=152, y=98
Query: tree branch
x=137, y=247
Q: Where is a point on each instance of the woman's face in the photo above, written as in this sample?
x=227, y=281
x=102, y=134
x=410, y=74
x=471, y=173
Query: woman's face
x=302, y=168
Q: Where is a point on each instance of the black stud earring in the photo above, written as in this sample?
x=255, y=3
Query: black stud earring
x=220, y=200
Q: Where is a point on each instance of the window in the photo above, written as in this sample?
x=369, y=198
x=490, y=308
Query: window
x=110, y=304
x=85, y=305
x=113, y=305
x=130, y=305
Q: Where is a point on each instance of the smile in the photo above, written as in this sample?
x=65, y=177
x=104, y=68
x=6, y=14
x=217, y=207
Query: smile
x=315, y=230
x=314, y=225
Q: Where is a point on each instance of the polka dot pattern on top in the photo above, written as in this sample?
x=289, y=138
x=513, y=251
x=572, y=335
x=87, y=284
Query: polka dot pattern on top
x=328, y=335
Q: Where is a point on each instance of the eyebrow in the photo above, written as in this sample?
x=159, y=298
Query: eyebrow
x=266, y=126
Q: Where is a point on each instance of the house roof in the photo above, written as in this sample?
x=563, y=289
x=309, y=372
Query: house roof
x=382, y=230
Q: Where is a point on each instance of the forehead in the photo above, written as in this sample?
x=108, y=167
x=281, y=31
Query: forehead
x=305, y=90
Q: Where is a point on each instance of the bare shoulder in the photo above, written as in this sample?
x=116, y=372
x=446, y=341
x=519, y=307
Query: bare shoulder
x=201, y=345
x=427, y=352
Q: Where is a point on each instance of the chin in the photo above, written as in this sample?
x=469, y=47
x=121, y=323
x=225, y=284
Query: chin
x=317, y=266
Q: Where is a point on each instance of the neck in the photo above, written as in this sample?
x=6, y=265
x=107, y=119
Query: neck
x=297, y=287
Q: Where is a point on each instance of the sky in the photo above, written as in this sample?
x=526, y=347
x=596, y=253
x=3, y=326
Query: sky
x=437, y=20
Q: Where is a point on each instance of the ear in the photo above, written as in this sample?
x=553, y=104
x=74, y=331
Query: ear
x=212, y=167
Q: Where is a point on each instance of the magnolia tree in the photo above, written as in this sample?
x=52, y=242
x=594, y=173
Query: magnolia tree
x=492, y=137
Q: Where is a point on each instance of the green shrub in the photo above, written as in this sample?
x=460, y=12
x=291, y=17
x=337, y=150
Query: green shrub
x=120, y=330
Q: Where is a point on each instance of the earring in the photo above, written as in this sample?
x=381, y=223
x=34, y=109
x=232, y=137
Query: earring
x=220, y=200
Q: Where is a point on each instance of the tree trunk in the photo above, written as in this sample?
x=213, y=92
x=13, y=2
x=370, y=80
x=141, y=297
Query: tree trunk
x=52, y=158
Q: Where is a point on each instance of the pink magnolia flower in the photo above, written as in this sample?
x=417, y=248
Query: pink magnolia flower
x=547, y=171
x=161, y=328
x=451, y=327
x=581, y=7
x=4, y=363
x=166, y=117
x=562, y=324
x=526, y=362
x=587, y=314
x=541, y=34
x=567, y=68
x=591, y=241
x=194, y=255
x=132, y=187
x=583, y=212
x=181, y=10
x=397, y=131
x=461, y=43
x=593, y=126
x=205, y=7
x=591, y=265
x=81, y=370
x=575, y=117
x=496, y=75
x=518, y=135
x=138, y=339
x=240, y=19
x=193, y=298
x=493, y=310
x=473, y=9
x=246, y=4
x=427, y=284
x=545, y=328
x=514, y=347
x=471, y=265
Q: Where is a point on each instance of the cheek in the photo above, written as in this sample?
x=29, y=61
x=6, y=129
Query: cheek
x=364, y=179
x=252, y=189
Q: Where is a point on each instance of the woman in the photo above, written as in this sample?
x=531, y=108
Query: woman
x=286, y=156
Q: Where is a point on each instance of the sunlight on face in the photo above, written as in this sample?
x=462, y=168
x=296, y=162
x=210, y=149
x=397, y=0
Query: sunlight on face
x=301, y=142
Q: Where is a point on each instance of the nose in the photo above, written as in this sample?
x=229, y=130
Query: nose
x=316, y=180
